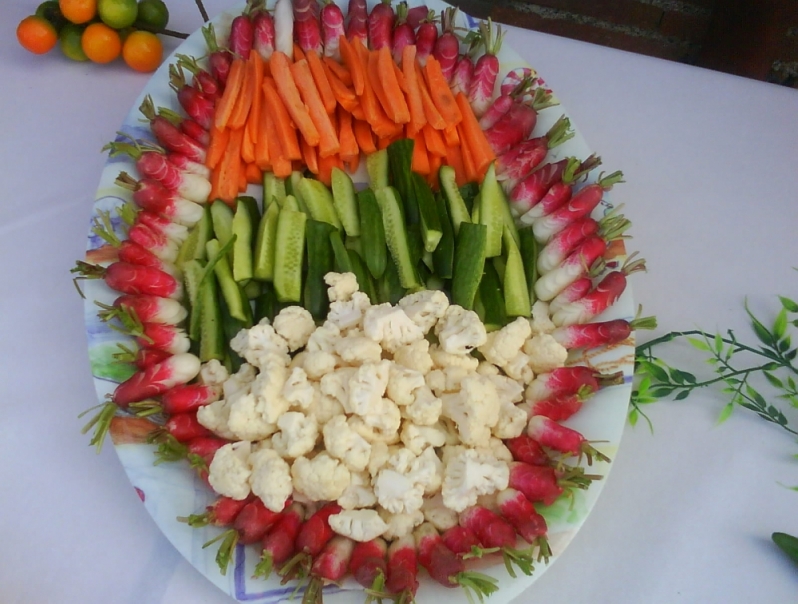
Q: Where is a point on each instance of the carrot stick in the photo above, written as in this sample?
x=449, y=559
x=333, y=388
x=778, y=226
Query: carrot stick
x=420, y=160
x=454, y=158
x=472, y=137
x=282, y=119
x=441, y=93
x=257, y=97
x=364, y=136
x=253, y=174
x=341, y=72
x=310, y=157
x=375, y=79
x=242, y=178
x=216, y=146
x=321, y=81
x=431, y=112
x=414, y=103
x=230, y=167
x=434, y=141
x=352, y=61
x=346, y=135
x=469, y=166
x=284, y=81
x=326, y=164
x=241, y=110
x=353, y=165
x=357, y=113
x=247, y=148
x=398, y=109
x=372, y=109
x=281, y=165
x=344, y=96
x=328, y=138
x=214, y=179
x=400, y=77
x=451, y=136
x=262, y=151
x=226, y=103
x=299, y=54
x=435, y=163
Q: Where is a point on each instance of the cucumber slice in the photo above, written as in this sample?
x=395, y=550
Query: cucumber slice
x=211, y=337
x=396, y=237
x=273, y=190
x=192, y=277
x=320, y=262
x=343, y=194
x=516, y=290
x=319, y=201
x=288, y=255
x=242, y=248
x=364, y=280
x=295, y=179
x=222, y=217
x=491, y=295
x=232, y=293
x=400, y=160
x=431, y=232
x=529, y=255
x=443, y=256
x=458, y=212
x=342, y=262
x=491, y=212
x=469, y=192
x=377, y=169
x=372, y=233
x=469, y=263
x=389, y=289
x=263, y=261
x=291, y=203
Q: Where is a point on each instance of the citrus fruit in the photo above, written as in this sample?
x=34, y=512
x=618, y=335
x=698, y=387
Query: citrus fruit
x=36, y=34
x=52, y=12
x=78, y=11
x=142, y=51
x=118, y=14
x=69, y=39
x=153, y=15
x=101, y=43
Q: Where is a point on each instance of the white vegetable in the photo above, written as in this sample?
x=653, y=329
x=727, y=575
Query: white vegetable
x=470, y=474
x=383, y=420
x=261, y=344
x=366, y=387
x=503, y=345
x=391, y=327
x=425, y=409
x=403, y=384
x=441, y=517
x=380, y=454
x=213, y=373
x=318, y=363
x=343, y=443
x=474, y=409
x=323, y=338
x=336, y=384
x=414, y=356
x=297, y=436
x=321, y=478
x=358, y=525
x=400, y=525
x=268, y=387
x=396, y=492
x=355, y=349
x=271, y=478
x=520, y=368
x=425, y=308
x=341, y=286
x=359, y=493
x=324, y=408
x=348, y=314
x=294, y=324
x=284, y=27
x=215, y=417
x=460, y=331
x=443, y=359
x=241, y=380
x=297, y=390
x=229, y=471
x=541, y=322
x=247, y=418
x=512, y=421
x=417, y=438
x=545, y=353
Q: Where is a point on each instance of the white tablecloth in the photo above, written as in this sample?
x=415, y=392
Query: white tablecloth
x=686, y=516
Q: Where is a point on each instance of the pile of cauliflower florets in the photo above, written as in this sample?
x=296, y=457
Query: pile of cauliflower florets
x=383, y=408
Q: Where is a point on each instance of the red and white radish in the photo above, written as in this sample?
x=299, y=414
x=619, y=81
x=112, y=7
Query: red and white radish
x=486, y=68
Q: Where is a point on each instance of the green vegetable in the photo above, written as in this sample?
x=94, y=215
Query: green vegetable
x=237, y=303
x=273, y=190
x=372, y=233
x=265, y=241
x=516, y=290
x=443, y=256
x=320, y=262
x=491, y=211
x=288, y=255
x=396, y=237
x=458, y=210
x=431, y=232
x=377, y=169
x=469, y=263
x=343, y=195
x=242, y=227
x=400, y=157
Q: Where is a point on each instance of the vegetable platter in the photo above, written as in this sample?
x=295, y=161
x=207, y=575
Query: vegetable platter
x=479, y=228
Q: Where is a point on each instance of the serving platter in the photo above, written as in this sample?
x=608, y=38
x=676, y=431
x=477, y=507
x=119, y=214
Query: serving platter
x=172, y=490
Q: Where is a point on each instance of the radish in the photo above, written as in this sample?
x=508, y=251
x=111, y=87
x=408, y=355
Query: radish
x=524, y=448
x=380, y=25
x=368, y=564
x=263, y=34
x=486, y=68
x=330, y=565
x=462, y=75
x=192, y=129
x=161, y=225
x=580, y=205
x=528, y=523
x=531, y=190
x=142, y=358
x=311, y=539
x=180, y=399
x=132, y=279
x=572, y=293
x=284, y=27
x=307, y=29
x=219, y=59
x=569, y=380
x=129, y=251
x=560, y=407
x=198, y=107
x=404, y=33
x=561, y=438
x=494, y=531
x=149, y=309
x=200, y=452
x=495, y=111
x=445, y=567
x=204, y=82
x=184, y=427
x=169, y=135
x=221, y=512
x=153, y=196
x=545, y=484
x=463, y=542
x=278, y=543
x=242, y=35
x=518, y=122
x=168, y=338
x=159, y=244
x=357, y=21
x=516, y=77
x=517, y=162
x=332, y=28
x=447, y=46
x=604, y=295
x=176, y=370
x=426, y=37
x=402, y=579
x=572, y=268
x=605, y=333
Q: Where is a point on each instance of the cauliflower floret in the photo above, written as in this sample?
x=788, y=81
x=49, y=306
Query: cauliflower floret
x=436, y=381
x=341, y=286
x=519, y=368
x=343, y=443
x=358, y=525
x=541, y=322
x=384, y=419
x=348, y=314
x=366, y=387
x=318, y=363
x=475, y=409
x=324, y=408
x=508, y=389
x=295, y=325
x=297, y=390
x=501, y=346
x=545, y=353
x=321, y=478
x=391, y=327
x=380, y=454
x=297, y=436
x=336, y=384
x=240, y=381
x=271, y=478
x=488, y=369
x=425, y=308
x=459, y=331
x=259, y=344
x=417, y=438
x=247, y=420
x=215, y=417
x=470, y=474
x=355, y=349
x=437, y=514
x=414, y=356
x=323, y=338
x=425, y=409
x=396, y=492
x=268, y=388
x=229, y=471
x=359, y=493
x=374, y=435
x=512, y=421
x=498, y=449
x=400, y=525
x=427, y=470
x=443, y=359
x=213, y=373
x=403, y=384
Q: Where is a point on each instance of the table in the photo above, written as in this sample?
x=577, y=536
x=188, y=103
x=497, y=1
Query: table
x=687, y=513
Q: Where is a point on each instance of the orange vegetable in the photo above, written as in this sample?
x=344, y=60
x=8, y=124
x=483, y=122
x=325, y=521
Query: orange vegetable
x=328, y=138
x=469, y=167
x=253, y=174
x=350, y=57
x=373, y=112
x=282, y=119
x=346, y=135
x=226, y=103
x=353, y=165
x=440, y=92
x=344, y=96
x=364, y=136
x=247, y=148
x=214, y=180
x=435, y=163
x=257, y=96
x=420, y=161
x=341, y=72
x=417, y=117
x=321, y=81
x=299, y=54
x=473, y=138
x=289, y=93
x=230, y=167
x=241, y=110
x=434, y=141
x=431, y=112
x=262, y=151
x=310, y=157
x=242, y=178
x=454, y=158
x=281, y=165
x=326, y=164
x=216, y=146
x=451, y=136
x=397, y=106
x=375, y=80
